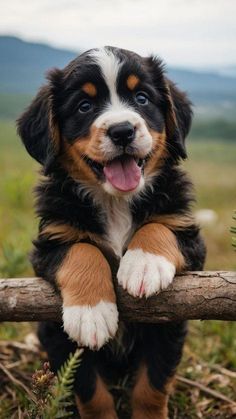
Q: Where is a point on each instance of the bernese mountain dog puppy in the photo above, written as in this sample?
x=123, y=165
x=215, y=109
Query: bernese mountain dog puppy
x=109, y=131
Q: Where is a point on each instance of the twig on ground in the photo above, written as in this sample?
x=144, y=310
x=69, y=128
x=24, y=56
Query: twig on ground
x=223, y=370
x=214, y=393
x=17, y=382
x=17, y=345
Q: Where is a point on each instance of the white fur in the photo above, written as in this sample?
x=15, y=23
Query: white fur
x=91, y=326
x=117, y=110
x=143, y=139
x=110, y=66
x=115, y=212
x=119, y=223
x=144, y=274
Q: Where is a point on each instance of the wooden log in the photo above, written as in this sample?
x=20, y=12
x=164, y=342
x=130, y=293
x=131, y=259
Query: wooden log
x=194, y=295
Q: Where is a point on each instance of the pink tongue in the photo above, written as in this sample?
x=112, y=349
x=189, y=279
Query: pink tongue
x=124, y=174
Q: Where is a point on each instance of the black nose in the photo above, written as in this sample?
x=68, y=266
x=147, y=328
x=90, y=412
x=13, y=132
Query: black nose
x=121, y=134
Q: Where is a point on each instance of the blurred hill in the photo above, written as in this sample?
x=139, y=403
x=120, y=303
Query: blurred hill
x=213, y=94
x=23, y=66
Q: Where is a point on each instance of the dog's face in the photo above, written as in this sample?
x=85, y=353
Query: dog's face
x=110, y=118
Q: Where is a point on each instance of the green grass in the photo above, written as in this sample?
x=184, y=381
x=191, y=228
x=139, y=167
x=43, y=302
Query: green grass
x=18, y=227
x=11, y=104
x=212, y=166
x=223, y=127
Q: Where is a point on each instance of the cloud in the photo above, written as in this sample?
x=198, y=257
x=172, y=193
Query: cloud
x=183, y=32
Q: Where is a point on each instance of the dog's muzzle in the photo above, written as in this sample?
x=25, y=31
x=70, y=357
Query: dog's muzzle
x=121, y=134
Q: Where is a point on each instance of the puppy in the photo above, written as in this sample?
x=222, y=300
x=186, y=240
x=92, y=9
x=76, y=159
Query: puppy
x=109, y=131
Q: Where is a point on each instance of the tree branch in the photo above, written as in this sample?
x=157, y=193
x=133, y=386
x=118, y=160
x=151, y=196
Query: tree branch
x=194, y=295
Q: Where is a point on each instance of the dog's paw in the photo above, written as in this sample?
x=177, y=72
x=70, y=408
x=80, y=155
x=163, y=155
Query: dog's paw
x=144, y=274
x=91, y=326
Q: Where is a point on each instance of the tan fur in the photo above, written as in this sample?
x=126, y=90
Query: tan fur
x=91, y=147
x=53, y=128
x=85, y=277
x=174, y=222
x=148, y=402
x=90, y=89
x=101, y=406
x=158, y=154
x=159, y=240
x=73, y=156
x=74, y=163
x=67, y=233
x=132, y=82
x=171, y=122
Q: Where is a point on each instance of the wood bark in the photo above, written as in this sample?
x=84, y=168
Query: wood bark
x=194, y=295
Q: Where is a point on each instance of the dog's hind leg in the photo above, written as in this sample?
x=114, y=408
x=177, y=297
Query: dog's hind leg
x=159, y=352
x=92, y=397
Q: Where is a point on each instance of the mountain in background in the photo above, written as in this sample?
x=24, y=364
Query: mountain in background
x=229, y=71
x=23, y=66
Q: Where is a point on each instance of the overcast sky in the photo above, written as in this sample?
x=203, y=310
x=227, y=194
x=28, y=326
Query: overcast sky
x=192, y=33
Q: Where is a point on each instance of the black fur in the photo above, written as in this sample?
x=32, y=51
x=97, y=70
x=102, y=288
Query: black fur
x=61, y=199
x=34, y=129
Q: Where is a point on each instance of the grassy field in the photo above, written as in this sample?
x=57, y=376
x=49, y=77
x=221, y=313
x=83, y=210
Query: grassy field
x=212, y=166
x=211, y=345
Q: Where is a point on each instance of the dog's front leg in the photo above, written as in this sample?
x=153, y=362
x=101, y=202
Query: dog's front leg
x=90, y=313
x=151, y=261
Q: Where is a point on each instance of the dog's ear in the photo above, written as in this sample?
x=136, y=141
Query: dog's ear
x=38, y=128
x=176, y=107
x=178, y=117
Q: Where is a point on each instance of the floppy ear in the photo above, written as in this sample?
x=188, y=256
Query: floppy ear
x=176, y=107
x=38, y=129
x=178, y=117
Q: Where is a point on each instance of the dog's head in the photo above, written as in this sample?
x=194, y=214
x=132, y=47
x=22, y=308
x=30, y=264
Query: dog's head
x=110, y=118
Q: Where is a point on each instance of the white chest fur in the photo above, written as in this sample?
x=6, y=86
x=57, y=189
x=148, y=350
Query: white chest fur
x=119, y=223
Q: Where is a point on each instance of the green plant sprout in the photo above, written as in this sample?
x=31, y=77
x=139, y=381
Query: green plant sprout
x=54, y=393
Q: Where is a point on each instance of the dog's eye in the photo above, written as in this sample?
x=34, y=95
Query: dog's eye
x=141, y=98
x=85, y=106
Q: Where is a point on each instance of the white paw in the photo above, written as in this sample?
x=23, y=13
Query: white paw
x=144, y=274
x=91, y=326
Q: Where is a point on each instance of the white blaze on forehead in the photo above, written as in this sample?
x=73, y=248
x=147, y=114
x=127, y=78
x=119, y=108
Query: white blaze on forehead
x=110, y=66
x=117, y=110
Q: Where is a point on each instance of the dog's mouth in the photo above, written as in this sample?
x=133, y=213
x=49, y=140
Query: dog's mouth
x=123, y=172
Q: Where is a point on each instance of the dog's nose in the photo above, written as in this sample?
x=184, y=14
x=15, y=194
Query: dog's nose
x=122, y=133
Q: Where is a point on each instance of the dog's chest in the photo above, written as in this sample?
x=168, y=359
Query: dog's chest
x=119, y=224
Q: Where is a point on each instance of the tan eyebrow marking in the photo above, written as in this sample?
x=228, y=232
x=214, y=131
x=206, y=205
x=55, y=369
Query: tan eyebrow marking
x=90, y=89
x=132, y=81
